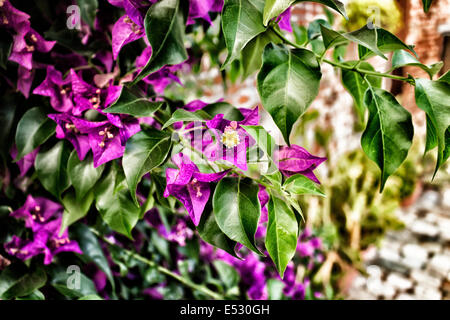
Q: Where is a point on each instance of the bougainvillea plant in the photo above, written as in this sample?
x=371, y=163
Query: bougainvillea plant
x=92, y=143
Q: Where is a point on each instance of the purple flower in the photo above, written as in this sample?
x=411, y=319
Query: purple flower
x=189, y=185
x=37, y=211
x=107, y=140
x=26, y=162
x=230, y=141
x=295, y=159
x=179, y=233
x=125, y=30
x=58, y=89
x=66, y=129
x=263, y=198
x=27, y=41
x=25, y=79
x=11, y=18
x=201, y=8
x=24, y=249
x=285, y=20
x=305, y=249
x=88, y=97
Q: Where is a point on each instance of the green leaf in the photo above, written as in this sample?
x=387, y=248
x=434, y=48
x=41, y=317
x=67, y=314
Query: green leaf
x=60, y=282
x=386, y=42
x=143, y=152
x=445, y=77
x=227, y=274
x=426, y=5
x=299, y=184
x=36, y=295
x=389, y=132
x=91, y=297
x=403, y=58
x=130, y=102
x=252, y=53
x=229, y=111
x=88, y=10
x=433, y=98
x=300, y=34
x=184, y=115
x=241, y=22
x=82, y=174
x=51, y=168
x=33, y=130
x=92, y=251
x=275, y=289
x=164, y=26
x=332, y=38
x=273, y=8
x=210, y=232
x=357, y=86
x=75, y=209
x=287, y=84
x=265, y=141
x=113, y=201
x=18, y=281
x=237, y=210
x=282, y=231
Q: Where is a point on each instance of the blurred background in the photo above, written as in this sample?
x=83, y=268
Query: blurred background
x=394, y=245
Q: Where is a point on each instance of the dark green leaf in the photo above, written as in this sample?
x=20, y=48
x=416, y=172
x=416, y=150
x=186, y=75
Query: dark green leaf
x=357, y=86
x=91, y=297
x=33, y=130
x=69, y=289
x=113, y=201
x=299, y=184
x=88, y=10
x=6, y=44
x=282, y=230
x=210, y=232
x=51, y=168
x=18, y=281
x=229, y=111
x=237, y=210
x=273, y=8
x=184, y=115
x=265, y=141
x=82, y=174
x=252, y=53
x=143, y=152
x=241, y=22
x=426, y=5
x=389, y=132
x=433, y=98
x=287, y=84
x=164, y=26
x=227, y=274
x=403, y=58
x=92, y=251
x=36, y=295
x=10, y=102
x=132, y=103
x=75, y=209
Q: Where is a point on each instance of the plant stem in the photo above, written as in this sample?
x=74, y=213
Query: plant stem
x=340, y=65
x=186, y=282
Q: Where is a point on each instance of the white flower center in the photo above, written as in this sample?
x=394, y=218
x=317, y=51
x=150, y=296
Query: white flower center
x=230, y=137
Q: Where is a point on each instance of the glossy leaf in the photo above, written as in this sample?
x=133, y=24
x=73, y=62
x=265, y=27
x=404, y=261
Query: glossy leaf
x=299, y=184
x=210, y=232
x=389, y=132
x=51, y=168
x=282, y=230
x=143, y=152
x=184, y=115
x=237, y=210
x=18, y=281
x=265, y=141
x=357, y=86
x=403, y=58
x=75, y=209
x=273, y=8
x=164, y=26
x=133, y=104
x=426, y=5
x=433, y=98
x=115, y=204
x=92, y=250
x=241, y=22
x=287, y=84
x=33, y=130
x=252, y=53
x=82, y=174
x=60, y=279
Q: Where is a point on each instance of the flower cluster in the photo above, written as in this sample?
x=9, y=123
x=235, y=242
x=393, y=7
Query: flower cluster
x=43, y=217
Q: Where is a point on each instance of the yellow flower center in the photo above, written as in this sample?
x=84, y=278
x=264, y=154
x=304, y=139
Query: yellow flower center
x=230, y=137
